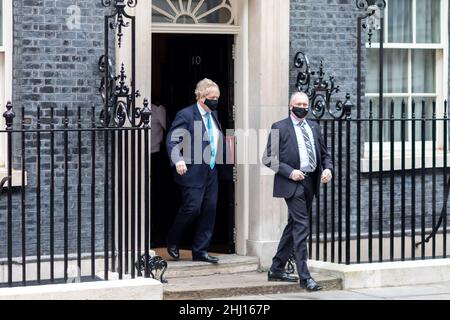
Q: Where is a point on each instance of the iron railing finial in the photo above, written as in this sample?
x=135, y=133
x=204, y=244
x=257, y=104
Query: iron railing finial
x=9, y=115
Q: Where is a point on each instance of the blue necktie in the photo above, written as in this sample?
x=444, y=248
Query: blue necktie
x=211, y=142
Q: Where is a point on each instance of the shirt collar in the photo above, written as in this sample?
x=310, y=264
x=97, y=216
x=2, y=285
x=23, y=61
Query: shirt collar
x=202, y=111
x=296, y=122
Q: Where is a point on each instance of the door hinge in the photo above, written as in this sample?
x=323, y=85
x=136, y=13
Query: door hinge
x=234, y=235
x=234, y=174
x=233, y=51
x=234, y=112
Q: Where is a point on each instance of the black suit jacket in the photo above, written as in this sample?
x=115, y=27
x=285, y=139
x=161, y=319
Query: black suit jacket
x=182, y=144
x=282, y=156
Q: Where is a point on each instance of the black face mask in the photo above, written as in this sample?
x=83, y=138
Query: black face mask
x=300, y=112
x=213, y=105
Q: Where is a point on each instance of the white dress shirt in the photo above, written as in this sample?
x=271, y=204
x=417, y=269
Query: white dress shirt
x=215, y=128
x=304, y=158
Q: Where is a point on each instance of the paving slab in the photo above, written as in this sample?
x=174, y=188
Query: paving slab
x=321, y=295
x=405, y=291
x=427, y=297
x=418, y=292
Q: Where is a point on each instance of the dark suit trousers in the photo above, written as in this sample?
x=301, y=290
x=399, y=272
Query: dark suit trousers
x=199, y=206
x=295, y=234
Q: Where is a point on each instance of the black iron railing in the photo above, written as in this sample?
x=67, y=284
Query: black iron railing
x=389, y=194
x=55, y=228
x=403, y=191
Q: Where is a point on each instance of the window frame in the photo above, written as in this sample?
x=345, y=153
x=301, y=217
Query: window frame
x=441, y=94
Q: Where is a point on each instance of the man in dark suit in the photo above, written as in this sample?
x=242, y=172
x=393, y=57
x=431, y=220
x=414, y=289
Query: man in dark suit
x=298, y=155
x=196, y=146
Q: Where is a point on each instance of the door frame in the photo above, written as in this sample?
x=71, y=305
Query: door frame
x=144, y=32
x=269, y=75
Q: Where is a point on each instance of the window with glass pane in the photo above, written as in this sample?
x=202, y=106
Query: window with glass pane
x=386, y=115
x=428, y=21
x=410, y=65
x=395, y=76
x=423, y=71
x=400, y=21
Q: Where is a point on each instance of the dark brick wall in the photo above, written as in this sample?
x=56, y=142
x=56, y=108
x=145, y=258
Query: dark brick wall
x=327, y=30
x=55, y=66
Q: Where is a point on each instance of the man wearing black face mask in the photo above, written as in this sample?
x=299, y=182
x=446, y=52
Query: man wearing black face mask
x=196, y=126
x=298, y=155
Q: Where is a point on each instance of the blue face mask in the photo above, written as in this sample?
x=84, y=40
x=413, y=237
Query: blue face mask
x=213, y=105
x=300, y=112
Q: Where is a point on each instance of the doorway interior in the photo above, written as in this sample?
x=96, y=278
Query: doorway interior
x=179, y=62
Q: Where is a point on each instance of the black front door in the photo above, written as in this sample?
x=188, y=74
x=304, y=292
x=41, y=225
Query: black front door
x=179, y=62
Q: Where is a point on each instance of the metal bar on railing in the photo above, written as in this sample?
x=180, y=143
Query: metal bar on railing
x=79, y=190
x=139, y=194
x=392, y=181
x=347, y=191
x=106, y=147
x=126, y=202
x=52, y=195
x=422, y=173
x=113, y=201
x=66, y=194
x=403, y=180
x=380, y=183
x=318, y=203
x=93, y=180
x=38, y=197
x=380, y=114
x=9, y=118
x=23, y=202
x=133, y=149
x=325, y=201
x=133, y=203
x=370, y=239
x=147, y=198
x=333, y=192
x=413, y=181
x=340, y=187
x=433, y=192
x=444, y=238
x=120, y=203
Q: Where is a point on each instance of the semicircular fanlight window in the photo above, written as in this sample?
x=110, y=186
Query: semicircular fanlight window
x=192, y=11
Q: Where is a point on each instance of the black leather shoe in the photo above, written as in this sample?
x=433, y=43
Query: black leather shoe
x=205, y=258
x=310, y=285
x=281, y=276
x=173, y=252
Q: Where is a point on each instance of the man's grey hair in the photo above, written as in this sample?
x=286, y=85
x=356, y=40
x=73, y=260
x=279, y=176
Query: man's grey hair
x=297, y=94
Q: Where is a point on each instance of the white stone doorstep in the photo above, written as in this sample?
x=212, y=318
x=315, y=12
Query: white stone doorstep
x=386, y=274
x=137, y=289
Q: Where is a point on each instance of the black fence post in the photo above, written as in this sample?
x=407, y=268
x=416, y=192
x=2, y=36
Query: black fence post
x=145, y=114
x=348, y=114
x=38, y=196
x=9, y=119
x=23, y=201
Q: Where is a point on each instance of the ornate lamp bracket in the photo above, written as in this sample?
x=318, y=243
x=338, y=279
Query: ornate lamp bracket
x=373, y=10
